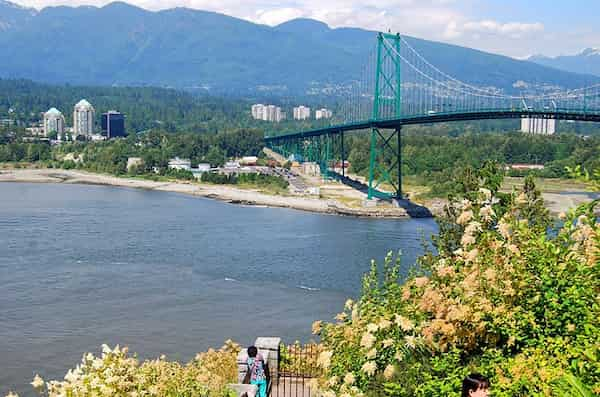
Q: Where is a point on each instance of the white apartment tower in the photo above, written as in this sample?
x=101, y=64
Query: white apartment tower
x=323, y=114
x=258, y=111
x=538, y=126
x=83, y=118
x=270, y=113
x=301, y=113
x=54, y=121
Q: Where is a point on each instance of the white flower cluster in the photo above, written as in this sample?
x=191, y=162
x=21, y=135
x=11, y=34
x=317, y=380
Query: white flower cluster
x=115, y=373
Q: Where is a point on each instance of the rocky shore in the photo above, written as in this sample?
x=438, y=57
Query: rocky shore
x=220, y=192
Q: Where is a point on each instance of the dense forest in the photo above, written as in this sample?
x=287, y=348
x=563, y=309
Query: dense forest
x=435, y=159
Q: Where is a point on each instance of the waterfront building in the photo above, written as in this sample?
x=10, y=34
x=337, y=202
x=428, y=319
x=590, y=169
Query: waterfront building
x=83, y=118
x=323, y=114
x=113, y=124
x=231, y=164
x=249, y=160
x=54, y=121
x=301, y=113
x=524, y=167
x=202, y=168
x=180, y=164
x=538, y=126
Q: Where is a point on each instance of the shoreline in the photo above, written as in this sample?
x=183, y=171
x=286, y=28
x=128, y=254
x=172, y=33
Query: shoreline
x=223, y=193
x=556, y=202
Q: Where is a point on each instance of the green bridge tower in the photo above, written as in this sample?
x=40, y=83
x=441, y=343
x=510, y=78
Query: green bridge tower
x=387, y=95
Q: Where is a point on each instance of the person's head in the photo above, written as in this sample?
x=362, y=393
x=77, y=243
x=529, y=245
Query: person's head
x=475, y=385
x=252, y=351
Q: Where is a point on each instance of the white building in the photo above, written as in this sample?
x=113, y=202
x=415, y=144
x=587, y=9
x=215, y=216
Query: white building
x=249, y=160
x=97, y=137
x=275, y=114
x=134, y=162
x=301, y=113
x=83, y=118
x=180, y=164
x=202, y=168
x=54, y=121
x=36, y=130
x=323, y=114
x=232, y=164
x=6, y=122
x=258, y=111
x=538, y=126
x=270, y=113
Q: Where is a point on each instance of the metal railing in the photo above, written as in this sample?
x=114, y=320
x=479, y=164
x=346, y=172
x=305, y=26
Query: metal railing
x=297, y=367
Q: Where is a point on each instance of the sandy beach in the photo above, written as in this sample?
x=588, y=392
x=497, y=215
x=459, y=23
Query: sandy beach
x=220, y=192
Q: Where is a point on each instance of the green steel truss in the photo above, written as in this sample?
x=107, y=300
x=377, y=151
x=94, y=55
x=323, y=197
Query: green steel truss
x=324, y=150
x=327, y=148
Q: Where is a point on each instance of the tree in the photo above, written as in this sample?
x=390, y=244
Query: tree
x=215, y=156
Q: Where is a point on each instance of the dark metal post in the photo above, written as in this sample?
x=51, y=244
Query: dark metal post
x=343, y=157
x=399, y=139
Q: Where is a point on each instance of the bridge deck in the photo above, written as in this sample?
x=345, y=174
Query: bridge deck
x=439, y=118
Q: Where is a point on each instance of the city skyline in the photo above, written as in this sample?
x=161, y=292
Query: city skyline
x=514, y=29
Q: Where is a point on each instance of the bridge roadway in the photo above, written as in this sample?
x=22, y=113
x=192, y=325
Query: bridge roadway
x=439, y=118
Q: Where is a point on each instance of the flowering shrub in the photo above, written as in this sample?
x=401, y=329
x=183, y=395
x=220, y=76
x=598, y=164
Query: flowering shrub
x=504, y=295
x=116, y=373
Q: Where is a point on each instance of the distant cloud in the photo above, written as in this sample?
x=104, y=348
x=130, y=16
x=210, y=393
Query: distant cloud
x=278, y=16
x=514, y=30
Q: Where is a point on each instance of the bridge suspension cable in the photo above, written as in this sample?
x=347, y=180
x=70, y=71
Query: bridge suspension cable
x=566, y=94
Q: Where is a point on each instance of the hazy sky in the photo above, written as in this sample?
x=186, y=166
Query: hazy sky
x=512, y=27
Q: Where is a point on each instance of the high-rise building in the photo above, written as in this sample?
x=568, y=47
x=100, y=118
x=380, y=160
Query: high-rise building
x=279, y=115
x=83, y=118
x=275, y=114
x=301, y=113
x=538, y=126
x=54, y=121
x=258, y=111
x=113, y=124
x=323, y=114
x=270, y=113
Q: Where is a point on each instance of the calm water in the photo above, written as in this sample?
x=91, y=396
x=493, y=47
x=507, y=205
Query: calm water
x=167, y=273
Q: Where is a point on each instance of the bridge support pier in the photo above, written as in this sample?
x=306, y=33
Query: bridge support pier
x=381, y=172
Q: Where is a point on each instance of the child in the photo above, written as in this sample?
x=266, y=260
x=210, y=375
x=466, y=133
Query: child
x=256, y=369
x=475, y=385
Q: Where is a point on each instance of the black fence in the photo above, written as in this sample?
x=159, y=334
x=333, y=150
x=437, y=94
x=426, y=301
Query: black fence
x=297, y=368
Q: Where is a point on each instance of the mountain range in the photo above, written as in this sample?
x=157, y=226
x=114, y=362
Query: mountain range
x=587, y=61
x=120, y=44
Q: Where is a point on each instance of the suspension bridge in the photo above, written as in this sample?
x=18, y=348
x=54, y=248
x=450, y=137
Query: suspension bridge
x=400, y=87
